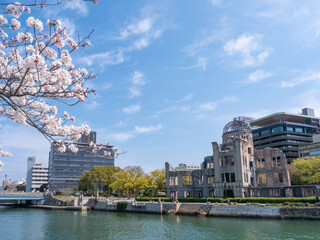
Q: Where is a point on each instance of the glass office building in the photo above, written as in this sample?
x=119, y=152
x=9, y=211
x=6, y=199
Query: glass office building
x=286, y=131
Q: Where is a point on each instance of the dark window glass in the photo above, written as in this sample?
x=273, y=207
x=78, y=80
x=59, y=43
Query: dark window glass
x=233, y=177
x=290, y=129
x=256, y=134
x=277, y=129
x=222, y=177
x=308, y=130
x=227, y=177
x=265, y=132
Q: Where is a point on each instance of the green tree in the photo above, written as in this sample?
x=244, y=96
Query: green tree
x=130, y=181
x=43, y=187
x=85, y=183
x=305, y=171
x=99, y=179
x=21, y=187
x=157, y=180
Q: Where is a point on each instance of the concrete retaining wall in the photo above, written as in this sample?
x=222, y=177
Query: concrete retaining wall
x=105, y=206
x=307, y=213
x=195, y=209
x=138, y=207
x=49, y=200
x=245, y=211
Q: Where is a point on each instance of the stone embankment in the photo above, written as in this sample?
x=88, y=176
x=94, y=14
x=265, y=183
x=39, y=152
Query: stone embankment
x=205, y=209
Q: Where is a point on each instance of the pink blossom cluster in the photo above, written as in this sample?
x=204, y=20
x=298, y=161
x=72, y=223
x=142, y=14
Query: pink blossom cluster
x=36, y=69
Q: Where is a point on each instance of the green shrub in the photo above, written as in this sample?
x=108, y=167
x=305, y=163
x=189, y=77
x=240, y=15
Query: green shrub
x=200, y=200
x=121, y=206
x=146, y=199
x=237, y=200
x=273, y=200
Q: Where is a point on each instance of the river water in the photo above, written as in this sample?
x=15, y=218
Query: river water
x=21, y=223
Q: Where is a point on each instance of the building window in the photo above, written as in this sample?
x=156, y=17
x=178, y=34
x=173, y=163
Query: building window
x=210, y=180
x=233, y=177
x=209, y=165
x=249, y=150
x=262, y=178
x=225, y=177
x=260, y=163
x=187, y=180
x=277, y=129
x=245, y=161
x=290, y=129
x=173, y=181
x=277, y=177
x=256, y=134
x=245, y=177
x=308, y=130
x=299, y=129
x=276, y=161
x=221, y=162
x=265, y=132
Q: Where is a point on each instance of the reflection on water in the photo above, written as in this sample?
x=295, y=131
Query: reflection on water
x=19, y=223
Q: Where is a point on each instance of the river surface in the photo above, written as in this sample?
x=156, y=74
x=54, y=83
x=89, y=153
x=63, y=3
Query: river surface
x=22, y=223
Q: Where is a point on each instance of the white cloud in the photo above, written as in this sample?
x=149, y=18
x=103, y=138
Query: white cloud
x=121, y=124
x=184, y=99
x=141, y=32
x=124, y=136
x=197, y=107
x=202, y=45
x=138, y=78
x=307, y=76
x=258, y=76
x=201, y=63
x=149, y=129
x=210, y=106
x=69, y=26
x=141, y=43
x=215, y=2
x=134, y=92
x=247, y=50
x=79, y=6
x=132, y=109
x=106, y=86
x=120, y=137
x=309, y=99
x=102, y=59
x=92, y=105
x=139, y=27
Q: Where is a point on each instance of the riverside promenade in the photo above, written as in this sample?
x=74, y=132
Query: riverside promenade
x=201, y=209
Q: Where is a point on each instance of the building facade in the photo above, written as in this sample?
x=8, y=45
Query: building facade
x=235, y=169
x=66, y=168
x=187, y=165
x=286, y=131
x=37, y=174
x=311, y=150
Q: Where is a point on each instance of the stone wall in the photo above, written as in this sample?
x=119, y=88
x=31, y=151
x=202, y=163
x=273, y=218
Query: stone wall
x=49, y=200
x=139, y=207
x=307, y=213
x=245, y=211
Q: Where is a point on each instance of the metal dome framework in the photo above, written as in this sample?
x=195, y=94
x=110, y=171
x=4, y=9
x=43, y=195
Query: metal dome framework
x=235, y=126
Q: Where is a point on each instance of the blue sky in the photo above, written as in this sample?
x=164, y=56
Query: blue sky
x=172, y=73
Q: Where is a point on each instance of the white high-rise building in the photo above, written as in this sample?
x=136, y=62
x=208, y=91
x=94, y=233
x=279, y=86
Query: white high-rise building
x=37, y=174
